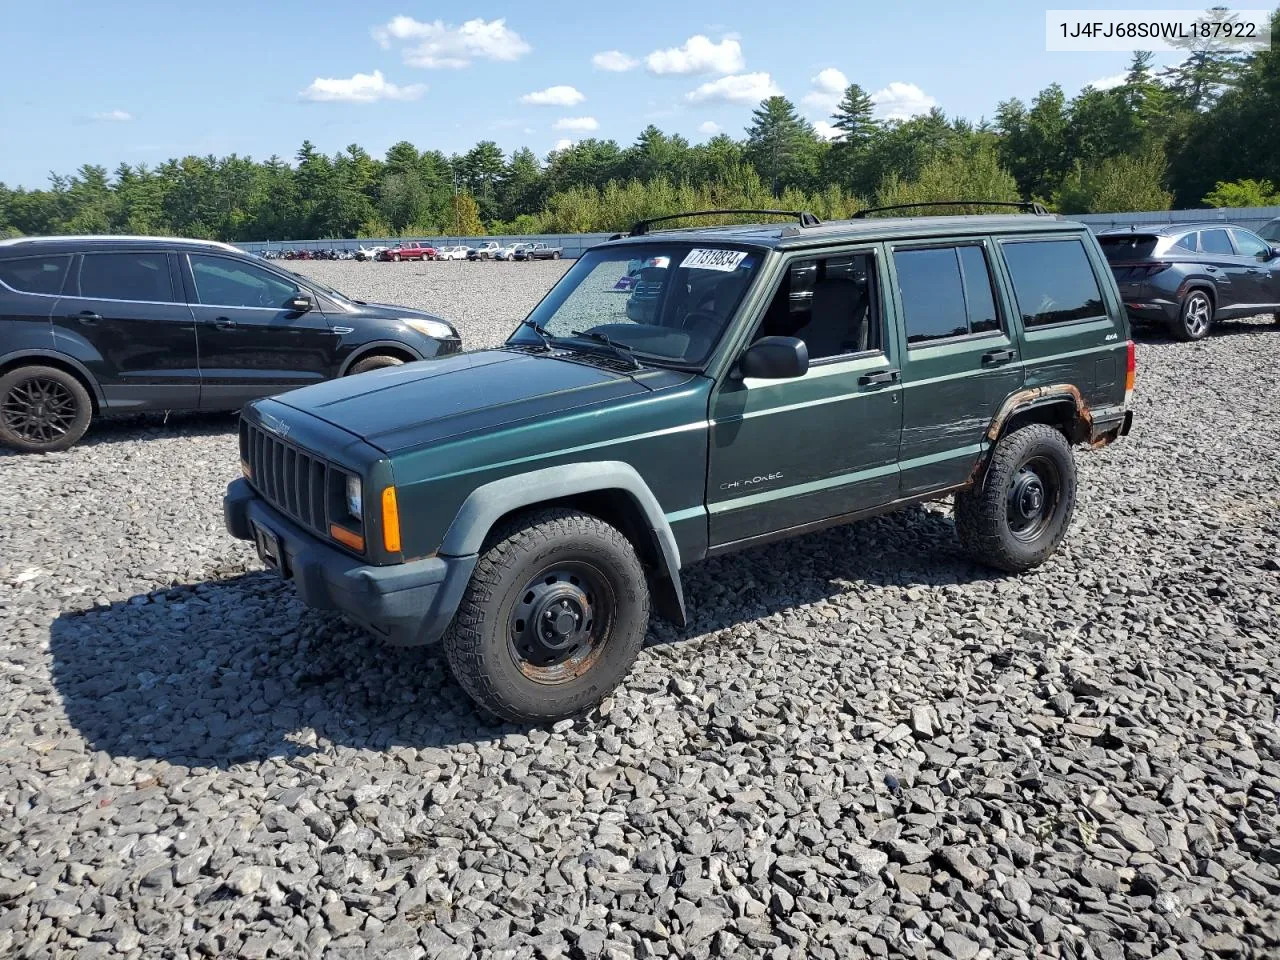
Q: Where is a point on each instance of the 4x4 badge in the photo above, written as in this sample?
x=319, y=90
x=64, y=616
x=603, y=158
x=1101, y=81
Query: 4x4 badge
x=275, y=425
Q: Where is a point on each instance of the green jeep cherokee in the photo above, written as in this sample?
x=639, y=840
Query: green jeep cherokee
x=677, y=395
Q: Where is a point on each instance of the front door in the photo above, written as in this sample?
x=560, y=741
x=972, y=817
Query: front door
x=1235, y=283
x=252, y=344
x=788, y=453
x=130, y=311
x=1262, y=271
x=960, y=361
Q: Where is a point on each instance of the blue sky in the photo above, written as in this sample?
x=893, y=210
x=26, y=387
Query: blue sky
x=89, y=82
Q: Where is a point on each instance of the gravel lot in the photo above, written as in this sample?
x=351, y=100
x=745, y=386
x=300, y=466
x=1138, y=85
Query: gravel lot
x=863, y=746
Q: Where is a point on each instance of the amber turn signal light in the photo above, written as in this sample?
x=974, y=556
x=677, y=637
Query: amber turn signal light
x=346, y=537
x=390, y=521
x=246, y=469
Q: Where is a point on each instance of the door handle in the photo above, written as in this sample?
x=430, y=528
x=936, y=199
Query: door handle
x=996, y=357
x=224, y=323
x=1254, y=270
x=879, y=378
x=87, y=317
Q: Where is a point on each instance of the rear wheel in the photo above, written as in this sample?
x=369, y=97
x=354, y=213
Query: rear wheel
x=556, y=255
x=1195, y=317
x=553, y=618
x=42, y=409
x=375, y=362
x=1019, y=514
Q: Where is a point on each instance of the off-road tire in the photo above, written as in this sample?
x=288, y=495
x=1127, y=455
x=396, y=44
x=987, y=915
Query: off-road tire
x=1188, y=327
x=375, y=362
x=982, y=513
x=478, y=643
x=71, y=390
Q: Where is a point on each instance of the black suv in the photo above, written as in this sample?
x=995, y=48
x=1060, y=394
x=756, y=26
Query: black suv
x=1187, y=275
x=99, y=325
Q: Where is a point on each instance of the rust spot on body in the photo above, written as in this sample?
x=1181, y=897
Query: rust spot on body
x=1032, y=396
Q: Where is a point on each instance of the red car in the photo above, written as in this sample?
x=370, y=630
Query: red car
x=408, y=251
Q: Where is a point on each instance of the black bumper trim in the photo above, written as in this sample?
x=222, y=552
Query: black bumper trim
x=408, y=604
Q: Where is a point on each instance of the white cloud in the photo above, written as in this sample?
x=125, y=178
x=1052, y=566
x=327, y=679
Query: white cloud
x=902, y=101
x=438, y=44
x=828, y=87
x=562, y=145
x=529, y=130
x=114, y=116
x=698, y=55
x=360, y=88
x=709, y=127
x=1109, y=83
x=560, y=96
x=742, y=88
x=827, y=131
x=577, y=123
x=615, y=61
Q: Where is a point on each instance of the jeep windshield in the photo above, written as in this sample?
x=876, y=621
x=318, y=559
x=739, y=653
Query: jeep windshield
x=662, y=303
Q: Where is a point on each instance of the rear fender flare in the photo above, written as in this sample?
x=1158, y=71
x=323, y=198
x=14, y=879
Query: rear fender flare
x=492, y=501
x=1061, y=395
x=56, y=359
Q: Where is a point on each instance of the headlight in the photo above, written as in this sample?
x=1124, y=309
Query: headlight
x=430, y=328
x=355, y=503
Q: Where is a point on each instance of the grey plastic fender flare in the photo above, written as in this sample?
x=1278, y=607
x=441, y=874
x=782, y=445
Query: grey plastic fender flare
x=487, y=503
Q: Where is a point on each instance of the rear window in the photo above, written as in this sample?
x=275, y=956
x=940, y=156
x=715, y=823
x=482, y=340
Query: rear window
x=1131, y=246
x=1053, y=281
x=35, y=274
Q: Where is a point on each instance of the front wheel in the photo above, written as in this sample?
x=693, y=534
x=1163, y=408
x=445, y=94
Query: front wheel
x=553, y=618
x=42, y=409
x=556, y=255
x=375, y=362
x=1195, y=317
x=1019, y=513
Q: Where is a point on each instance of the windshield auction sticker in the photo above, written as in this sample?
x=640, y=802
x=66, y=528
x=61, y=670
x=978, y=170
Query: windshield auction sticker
x=724, y=260
x=1219, y=29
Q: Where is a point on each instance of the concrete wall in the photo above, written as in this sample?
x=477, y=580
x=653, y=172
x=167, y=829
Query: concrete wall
x=575, y=243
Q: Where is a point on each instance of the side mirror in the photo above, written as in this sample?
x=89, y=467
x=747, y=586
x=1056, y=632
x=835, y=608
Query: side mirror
x=775, y=358
x=300, y=303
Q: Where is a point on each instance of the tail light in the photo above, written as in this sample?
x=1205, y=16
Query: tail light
x=1139, y=272
x=1130, y=369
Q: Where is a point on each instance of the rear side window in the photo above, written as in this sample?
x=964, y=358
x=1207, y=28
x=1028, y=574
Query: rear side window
x=35, y=274
x=126, y=276
x=1216, y=241
x=1053, y=281
x=946, y=292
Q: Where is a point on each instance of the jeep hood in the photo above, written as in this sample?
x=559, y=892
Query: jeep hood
x=398, y=408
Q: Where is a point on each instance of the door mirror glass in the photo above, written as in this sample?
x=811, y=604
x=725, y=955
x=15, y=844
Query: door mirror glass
x=300, y=303
x=775, y=358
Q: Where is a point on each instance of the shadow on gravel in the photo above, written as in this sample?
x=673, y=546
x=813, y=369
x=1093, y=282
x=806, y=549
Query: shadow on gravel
x=238, y=670
x=151, y=426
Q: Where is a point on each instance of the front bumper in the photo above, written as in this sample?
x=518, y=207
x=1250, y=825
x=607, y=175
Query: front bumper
x=407, y=604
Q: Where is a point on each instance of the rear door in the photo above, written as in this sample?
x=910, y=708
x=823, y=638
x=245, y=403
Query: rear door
x=251, y=343
x=960, y=359
x=1065, y=302
x=1236, y=285
x=127, y=306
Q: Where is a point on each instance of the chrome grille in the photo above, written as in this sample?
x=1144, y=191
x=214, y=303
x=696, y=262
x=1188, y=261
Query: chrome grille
x=291, y=480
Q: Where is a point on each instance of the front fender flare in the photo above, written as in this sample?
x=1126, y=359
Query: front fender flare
x=488, y=503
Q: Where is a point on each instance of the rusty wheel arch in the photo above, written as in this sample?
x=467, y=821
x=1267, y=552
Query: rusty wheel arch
x=1032, y=405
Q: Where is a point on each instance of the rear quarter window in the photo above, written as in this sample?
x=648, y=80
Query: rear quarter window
x=35, y=274
x=1053, y=281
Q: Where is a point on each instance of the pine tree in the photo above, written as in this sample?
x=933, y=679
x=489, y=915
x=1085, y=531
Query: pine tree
x=855, y=118
x=775, y=140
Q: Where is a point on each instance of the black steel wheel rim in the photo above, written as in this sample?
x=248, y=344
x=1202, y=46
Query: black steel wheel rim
x=39, y=409
x=561, y=622
x=1033, y=498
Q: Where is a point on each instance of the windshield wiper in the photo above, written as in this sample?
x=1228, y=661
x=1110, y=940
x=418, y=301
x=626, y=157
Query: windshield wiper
x=543, y=334
x=619, y=350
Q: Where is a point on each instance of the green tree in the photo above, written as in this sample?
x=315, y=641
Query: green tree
x=776, y=142
x=1133, y=182
x=1243, y=193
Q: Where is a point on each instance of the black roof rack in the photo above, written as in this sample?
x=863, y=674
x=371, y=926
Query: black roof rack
x=805, y=219
x=1029, y=206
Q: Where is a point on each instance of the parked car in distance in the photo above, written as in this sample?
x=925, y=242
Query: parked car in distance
x=529, y=505
x=509, y=252
x=488, y=250
x=102, y=325
x=539, y=251
x=1186, y=276
x=458, y=252
x=368, y=253
x=407, y=251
